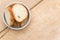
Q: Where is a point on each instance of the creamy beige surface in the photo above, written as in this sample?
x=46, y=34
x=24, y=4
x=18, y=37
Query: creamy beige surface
x=44, y=25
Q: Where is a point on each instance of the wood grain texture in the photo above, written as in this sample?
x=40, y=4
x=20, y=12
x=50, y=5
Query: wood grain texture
x=44, y=25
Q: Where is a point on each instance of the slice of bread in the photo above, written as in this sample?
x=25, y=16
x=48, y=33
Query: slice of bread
x=20, y=12
x=7, y=16
x=16, y=15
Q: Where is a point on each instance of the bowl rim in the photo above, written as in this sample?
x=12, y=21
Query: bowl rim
x=22, y=26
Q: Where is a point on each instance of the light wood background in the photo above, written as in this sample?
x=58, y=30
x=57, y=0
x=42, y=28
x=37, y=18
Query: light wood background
x=44, y=25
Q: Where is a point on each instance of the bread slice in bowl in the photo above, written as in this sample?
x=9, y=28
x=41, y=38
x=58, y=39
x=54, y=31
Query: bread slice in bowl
x=8, y=16
x=20, y=12
x=16, y=15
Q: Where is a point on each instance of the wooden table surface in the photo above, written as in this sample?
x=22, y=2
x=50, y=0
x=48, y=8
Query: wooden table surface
x=44, y=25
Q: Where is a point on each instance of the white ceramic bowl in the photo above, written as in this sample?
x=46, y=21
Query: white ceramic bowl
x=26, y=22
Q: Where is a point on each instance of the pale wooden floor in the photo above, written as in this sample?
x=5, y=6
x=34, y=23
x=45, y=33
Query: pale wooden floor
x=44, y=25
